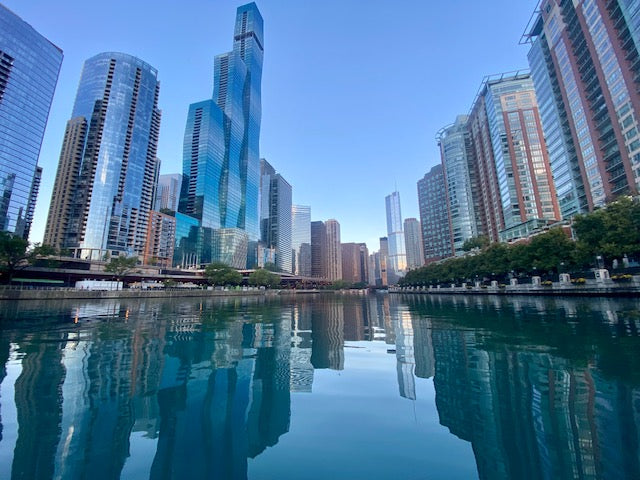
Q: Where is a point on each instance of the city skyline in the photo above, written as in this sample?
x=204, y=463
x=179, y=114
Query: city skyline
x=290, y=134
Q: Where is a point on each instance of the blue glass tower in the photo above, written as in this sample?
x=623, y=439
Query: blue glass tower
x=108, y=167
x=29, y=66
x=217, y=217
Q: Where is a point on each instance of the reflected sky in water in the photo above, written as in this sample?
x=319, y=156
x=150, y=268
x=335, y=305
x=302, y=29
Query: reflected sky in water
x=321, y=386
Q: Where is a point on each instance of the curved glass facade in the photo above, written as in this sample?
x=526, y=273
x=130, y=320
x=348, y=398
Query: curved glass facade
x=221, y=160
x=113, y=193
x=29, y=66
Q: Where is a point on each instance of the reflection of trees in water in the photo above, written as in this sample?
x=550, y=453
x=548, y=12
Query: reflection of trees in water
x=522, y=381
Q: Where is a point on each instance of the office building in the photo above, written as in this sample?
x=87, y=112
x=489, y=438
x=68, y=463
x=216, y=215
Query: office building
x=355, y=263
x=318, y=249
x=517, y=194
x=334, y=250
x=218, y=217
x=397, y=253
x=382, y=263
x=434, y=216
x=168, y=192
x=585, y=62
x=460, y=181
x=301, y=239
x=413, y=243
x=275, y=215
x=108, y=169
x=29, y=66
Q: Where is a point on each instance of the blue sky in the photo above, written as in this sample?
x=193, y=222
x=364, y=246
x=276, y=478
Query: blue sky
x=353, y=91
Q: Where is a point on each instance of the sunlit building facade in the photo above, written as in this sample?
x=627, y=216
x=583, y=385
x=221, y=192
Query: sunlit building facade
x=397, y=252
x=29, y=66
x=413, y=243
x=334, y=250
x=108, y=168
x=514, y=175
x=221, y=162
x=301, y=239
x=585, y=59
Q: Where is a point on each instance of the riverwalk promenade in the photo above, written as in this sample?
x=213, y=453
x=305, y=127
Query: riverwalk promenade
x=602, y=286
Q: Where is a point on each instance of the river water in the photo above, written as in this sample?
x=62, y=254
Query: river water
x=321, y=387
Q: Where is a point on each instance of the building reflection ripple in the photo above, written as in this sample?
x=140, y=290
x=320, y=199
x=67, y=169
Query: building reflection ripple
x=540, y=388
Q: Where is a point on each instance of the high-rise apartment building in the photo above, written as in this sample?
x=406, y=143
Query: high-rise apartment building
x=104, y=187
x=301, y=239
x=460, y=181
x=161, y=238
x=397, y=253
x=275, y=215
x=218, y=217
x=29, y=66
x=413, y=243
x=585, y=61
x=434, y=216
x=318, y=249
x=513, y=171
x=168, y=192
x=355, y=262
x=334, y=250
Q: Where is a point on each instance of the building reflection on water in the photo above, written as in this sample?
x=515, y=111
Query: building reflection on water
x=541, y=388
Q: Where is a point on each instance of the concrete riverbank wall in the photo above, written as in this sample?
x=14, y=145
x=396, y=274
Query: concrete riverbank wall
x=9, y=294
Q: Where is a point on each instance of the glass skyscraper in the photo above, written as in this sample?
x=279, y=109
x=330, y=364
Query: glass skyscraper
x=104, y=188
x=218, y=218
x=459, y=174
x=301, y=239
x=275, y=215
x=397, y=251
x=29, y=66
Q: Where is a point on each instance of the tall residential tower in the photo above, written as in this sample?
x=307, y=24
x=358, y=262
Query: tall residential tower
x=397, y=253
x=104, y=187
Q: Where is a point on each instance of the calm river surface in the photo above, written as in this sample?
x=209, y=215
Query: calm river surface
x=321, y=387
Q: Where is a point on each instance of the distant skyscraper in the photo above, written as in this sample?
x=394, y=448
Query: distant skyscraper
x=585, y=62
x=355, y=262
x=168, y=192
x=318, y=250
x=218, y=217
x=29, y=66
x=514, y=176
x=461, y=182
x=383, y=262
x=301, y=239
x=397, y=252
x=434, y=216
x=334, y=250
x=108, y=168
x=413, y=243
x=275, y=215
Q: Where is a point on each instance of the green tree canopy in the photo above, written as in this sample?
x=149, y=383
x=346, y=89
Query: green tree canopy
x=15, y=254
x=120, y=266
x=221, y=274
x=612, y=231
x=480, y=242
x=264, y=278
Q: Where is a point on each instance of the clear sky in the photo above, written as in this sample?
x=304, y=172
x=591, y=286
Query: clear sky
x=353, y=91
